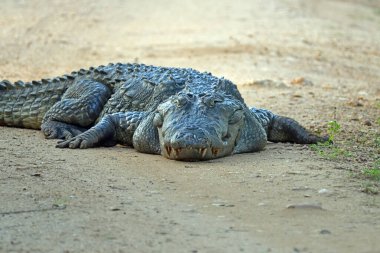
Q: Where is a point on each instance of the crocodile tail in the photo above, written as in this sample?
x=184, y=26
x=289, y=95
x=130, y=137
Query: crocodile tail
x=25, y=104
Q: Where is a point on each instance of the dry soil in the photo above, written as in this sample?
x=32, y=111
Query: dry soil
x=321, y=60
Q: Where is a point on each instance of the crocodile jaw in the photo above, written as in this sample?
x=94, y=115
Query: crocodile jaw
x=195, y=152
x=191, y=154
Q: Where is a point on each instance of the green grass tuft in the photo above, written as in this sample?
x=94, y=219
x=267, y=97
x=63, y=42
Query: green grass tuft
x=333, y=129
x=328, y=149
x=370, y=188
x=373, y=173
x=376, y=11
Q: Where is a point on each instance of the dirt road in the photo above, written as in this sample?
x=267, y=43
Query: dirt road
x=324, y=60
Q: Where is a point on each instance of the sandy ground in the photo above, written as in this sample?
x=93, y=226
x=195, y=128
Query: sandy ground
x=118, y=200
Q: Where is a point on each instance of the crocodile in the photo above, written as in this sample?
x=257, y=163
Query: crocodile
x=180, y=113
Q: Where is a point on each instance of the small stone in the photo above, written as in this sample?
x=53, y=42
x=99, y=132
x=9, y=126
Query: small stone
x=268, y=83
x=218, y=204
x=325, y=232
x=301, y=188
x=356, y=103
x=301, y=81
x=323, y=191
x=59, y=206
x=305, y=206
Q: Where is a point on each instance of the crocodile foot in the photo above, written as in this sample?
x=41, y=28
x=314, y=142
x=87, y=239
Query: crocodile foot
x=94, y=137
x=60, y=130
x=80, y=141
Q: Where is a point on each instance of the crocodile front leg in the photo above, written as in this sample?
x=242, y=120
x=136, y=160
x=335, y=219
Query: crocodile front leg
x=111, y=129
x=284, y=129
x=78, y=109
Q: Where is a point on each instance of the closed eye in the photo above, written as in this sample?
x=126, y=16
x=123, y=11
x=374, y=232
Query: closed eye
x=236, y=117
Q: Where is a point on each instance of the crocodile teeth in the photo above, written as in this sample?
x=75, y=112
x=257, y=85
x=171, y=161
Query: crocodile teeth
x=203, y=152
x=168, y=150
x=177, y=151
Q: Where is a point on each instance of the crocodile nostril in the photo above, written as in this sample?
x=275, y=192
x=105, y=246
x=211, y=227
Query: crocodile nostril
x=186, y=139
x=226, y=136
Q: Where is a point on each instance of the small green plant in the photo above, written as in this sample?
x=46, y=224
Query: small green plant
x=377, y=141
x=327, y=149
x=59, y=203
x=333, y=129
x=378, y=121
x=376, y=11
x=370, y=188
x=373, y=172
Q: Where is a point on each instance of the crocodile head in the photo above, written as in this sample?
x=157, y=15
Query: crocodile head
x=195, y=127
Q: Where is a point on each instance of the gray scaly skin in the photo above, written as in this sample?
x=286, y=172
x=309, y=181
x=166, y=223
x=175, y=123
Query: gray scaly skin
x=179, y=113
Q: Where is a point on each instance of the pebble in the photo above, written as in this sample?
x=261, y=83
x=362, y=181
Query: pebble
x=323, y=191
x=356, y=103
x=59, y=206
x=325, y=232
x=305, y=206
x=268, y=83
x=301, y=188
x=301, y=81
x=223, y=204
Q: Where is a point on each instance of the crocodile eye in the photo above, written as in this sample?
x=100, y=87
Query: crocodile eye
x=236, y=117
x=158, y=120
x=180, y=83
x=210, y=101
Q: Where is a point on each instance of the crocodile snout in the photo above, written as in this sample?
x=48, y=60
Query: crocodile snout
x=195, y=139
x=192, y=144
